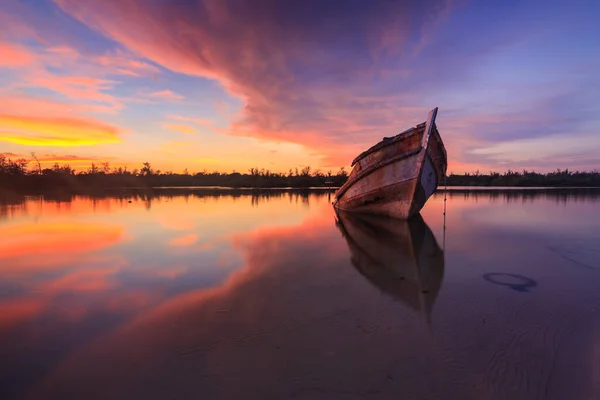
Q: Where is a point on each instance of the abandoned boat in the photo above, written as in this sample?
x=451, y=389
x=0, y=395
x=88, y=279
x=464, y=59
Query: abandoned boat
x=396, y=176
x=401, y=258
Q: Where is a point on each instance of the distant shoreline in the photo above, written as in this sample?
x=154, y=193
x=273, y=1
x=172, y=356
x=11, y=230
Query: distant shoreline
x=16, y=178
x=96, y=190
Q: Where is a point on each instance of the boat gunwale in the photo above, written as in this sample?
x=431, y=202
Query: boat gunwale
x=387, y=141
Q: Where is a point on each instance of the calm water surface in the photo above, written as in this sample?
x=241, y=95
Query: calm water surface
x=199, y=295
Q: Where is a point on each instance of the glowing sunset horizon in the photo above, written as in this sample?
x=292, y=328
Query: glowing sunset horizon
x=232, y=85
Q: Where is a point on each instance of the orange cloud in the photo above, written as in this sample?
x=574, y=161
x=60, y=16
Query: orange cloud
x=186, y=240
x=55, y=131
x=166, y=95
x=34, y=247
x=14, y=56
x=11, y=155
x=181, y=128
x=69, y=158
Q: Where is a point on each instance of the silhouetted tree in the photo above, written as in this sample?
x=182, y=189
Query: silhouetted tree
x=146, y=169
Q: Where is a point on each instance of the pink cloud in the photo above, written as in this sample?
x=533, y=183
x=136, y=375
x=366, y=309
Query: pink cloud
x=14, y=56
x=76, y=87
x=64, y=50
x=39, y=106
x=166, y=95
x=199, y=121
x=123, y=63
x=73, y=75
x=296, y=76
x=65, y=70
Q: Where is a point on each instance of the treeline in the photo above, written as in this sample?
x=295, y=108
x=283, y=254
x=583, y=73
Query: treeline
x=16, y=176
x=525, y=178
x=19, y=176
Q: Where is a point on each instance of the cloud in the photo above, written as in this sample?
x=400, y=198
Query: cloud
x=173, y=272
x=64, y=51
x=39, y=121
x=14, y=56
x=65, y=157
x=82, y=280
x=79, y=161
x=198, y=121
x=310, y=75
x=15, y=311
x=186, y=240
x=76, y=87
x=181, y=128
x=75, y=74
x=551, y=151
x=166, y=95
x=20, y=104
x=53, y=245
x=123, y=63
x=10, y=155
x=334, y=79
x=55, y=131
x=62, y=70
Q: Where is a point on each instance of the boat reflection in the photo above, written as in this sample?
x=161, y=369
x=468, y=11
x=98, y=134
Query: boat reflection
x=400, y=257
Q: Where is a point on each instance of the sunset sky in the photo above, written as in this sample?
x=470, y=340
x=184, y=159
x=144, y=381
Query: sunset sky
x=233, y=84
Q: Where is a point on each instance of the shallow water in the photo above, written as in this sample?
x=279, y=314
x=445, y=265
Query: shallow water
x=207, y=294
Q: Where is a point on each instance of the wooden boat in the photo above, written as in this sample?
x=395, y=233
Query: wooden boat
x=400, y=257
x=396, y=176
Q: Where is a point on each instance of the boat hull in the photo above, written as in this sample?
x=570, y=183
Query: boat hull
x=397, y=176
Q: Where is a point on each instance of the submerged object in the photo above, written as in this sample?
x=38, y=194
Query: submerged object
x=396, y=176
x=400, y=257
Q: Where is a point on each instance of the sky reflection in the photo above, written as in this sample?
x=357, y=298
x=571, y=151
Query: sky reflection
x=197, y=294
